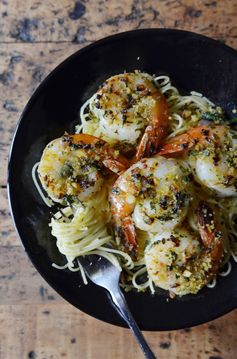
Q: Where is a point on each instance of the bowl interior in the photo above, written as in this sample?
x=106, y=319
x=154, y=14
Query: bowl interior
x=193, y=62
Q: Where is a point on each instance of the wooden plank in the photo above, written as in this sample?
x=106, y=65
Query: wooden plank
x=34, y=307
x=60, y=331
x=34, y=321
x=22, y=68
x=62, y=21
x=8, y=236
x=20, y=283
x=33, y=314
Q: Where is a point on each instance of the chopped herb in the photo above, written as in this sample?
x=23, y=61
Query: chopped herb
x=165, y=217
x=189, y=177
x=216, y=159
x=184, y=146
x=175, y=240
x=206, y=152
x=173, y=255
x=136, y=176
x=205, y=132
x=116, y=190
x=152, y=205
x=164, y=202
x=233, y=121
x=79, y=146
x=181, y=197
x=211, y=116
x=67, y=170
x=193, y=152
x=69, y=198
x=97, y=105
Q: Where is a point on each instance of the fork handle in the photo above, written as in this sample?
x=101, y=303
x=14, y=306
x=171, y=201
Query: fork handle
x=123, y=310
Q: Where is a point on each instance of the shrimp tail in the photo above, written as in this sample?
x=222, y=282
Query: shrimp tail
x=155, y=131
x=115, y=166
x=128, y=234
x=114, y=161
x=185, y=141
x=178, y=145
x=150, y=141
x=123, y=223
x=211, y=235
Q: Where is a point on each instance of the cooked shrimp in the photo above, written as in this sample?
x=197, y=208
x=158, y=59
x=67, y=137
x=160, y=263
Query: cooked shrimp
x=130, y=108
x=151, y=195
x=73, y=166
x=200, y=135
x=211, y=234
x=212, y=152
x=183, y=261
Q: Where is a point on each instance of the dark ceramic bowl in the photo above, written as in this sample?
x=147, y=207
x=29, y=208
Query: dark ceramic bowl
x=193, y=62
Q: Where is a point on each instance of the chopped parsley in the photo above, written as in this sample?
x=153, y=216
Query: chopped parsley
x=212, y=116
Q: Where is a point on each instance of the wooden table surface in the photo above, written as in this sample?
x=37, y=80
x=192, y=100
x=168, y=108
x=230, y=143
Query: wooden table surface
x=35, y=36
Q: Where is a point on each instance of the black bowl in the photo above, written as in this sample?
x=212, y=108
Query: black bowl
x=194, y=62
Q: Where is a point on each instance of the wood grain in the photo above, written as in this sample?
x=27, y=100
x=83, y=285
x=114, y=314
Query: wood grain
x=35, y=36
x=57, y=330
x=8, y=236
x=54, y=34
x=19, y=280
x=21, y=71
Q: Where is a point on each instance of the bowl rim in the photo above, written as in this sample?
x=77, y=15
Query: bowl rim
x=27, y=108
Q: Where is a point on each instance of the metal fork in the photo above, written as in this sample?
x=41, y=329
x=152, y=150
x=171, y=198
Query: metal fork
x=103, y=273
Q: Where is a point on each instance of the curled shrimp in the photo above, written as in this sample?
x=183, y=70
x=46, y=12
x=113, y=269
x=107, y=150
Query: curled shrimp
x=75, y=166
x=212, y=153
x=131, y=110
x=183, y=261
x=153, y=194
